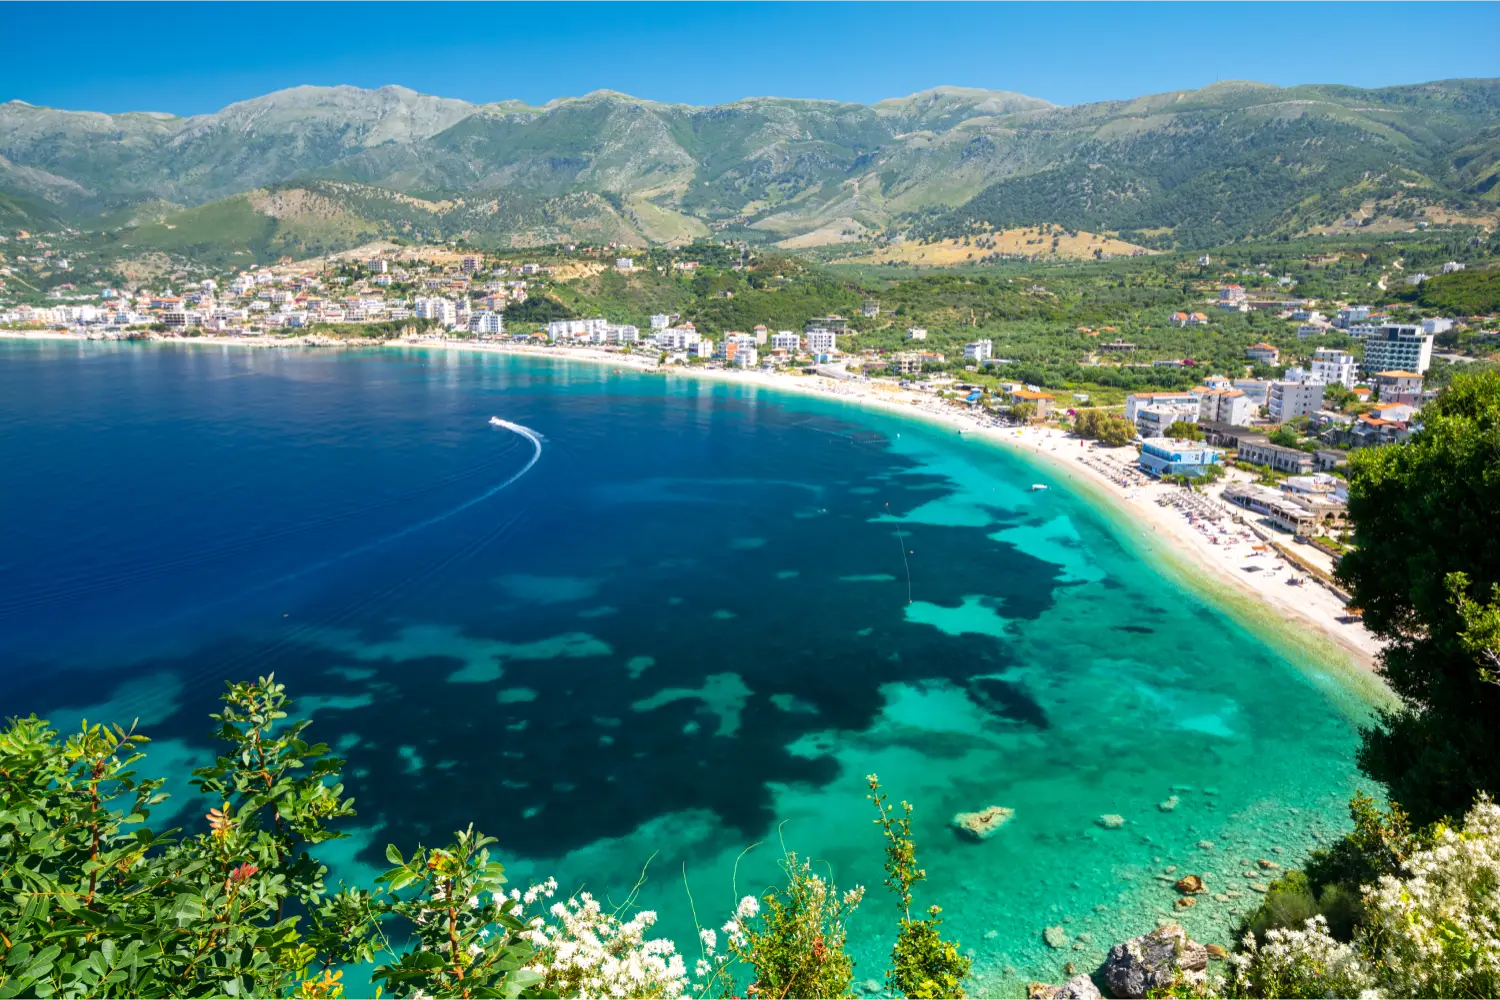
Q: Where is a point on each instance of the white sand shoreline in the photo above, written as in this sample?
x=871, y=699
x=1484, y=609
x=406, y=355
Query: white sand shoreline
x=1217, y=556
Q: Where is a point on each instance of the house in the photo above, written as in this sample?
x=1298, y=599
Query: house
x=1233, y=297
x=832, y=323
x=869, y=309
x=1117, y=346
x=1188, y=319
x=1225, y=406
x=1332, y=366
x=979, y=350
x=916, y=333
x=1437, y=325
x=1327, y=459
x=1351, y=315
x=1452, y=266
x=1399, y=387
x=1290, y=400
x=624, y=264
x=1282, y=459
x=660, y=321
x=1177, y=457
x=1398, y=413
x=1044, y=402
x=1263, y=353
x=761, y=334
x=1311, y=330
x=1370, y=430
x=1402, y=346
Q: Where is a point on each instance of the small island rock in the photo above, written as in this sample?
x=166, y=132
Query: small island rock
x=984, y=824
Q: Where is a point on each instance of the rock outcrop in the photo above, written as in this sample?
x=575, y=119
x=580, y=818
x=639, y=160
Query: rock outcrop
x=984, y=824
x=1152, y=962
x=1080, y=987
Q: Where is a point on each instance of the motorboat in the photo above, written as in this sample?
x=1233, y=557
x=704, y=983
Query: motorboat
x=1038, y=486
x=496, y=422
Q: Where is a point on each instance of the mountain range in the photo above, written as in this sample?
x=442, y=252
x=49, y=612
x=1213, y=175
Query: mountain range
x=316, y=168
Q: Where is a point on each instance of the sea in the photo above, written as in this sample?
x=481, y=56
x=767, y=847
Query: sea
x=652, y=632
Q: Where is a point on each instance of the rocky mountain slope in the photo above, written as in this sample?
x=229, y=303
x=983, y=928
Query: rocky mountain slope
x=1186, y=168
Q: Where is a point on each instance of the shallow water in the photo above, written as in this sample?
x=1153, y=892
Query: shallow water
x=693, y=625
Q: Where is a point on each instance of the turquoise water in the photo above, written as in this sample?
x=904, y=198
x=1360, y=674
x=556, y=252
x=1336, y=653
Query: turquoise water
x=687, y=617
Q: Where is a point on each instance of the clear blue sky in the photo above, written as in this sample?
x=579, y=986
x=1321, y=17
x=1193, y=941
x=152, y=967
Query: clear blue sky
x=193, y=58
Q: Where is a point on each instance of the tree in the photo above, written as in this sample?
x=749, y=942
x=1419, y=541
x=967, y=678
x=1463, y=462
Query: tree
x=1425, y=570
x=1023, y=411
x=1116, y=432
x=1184, y=430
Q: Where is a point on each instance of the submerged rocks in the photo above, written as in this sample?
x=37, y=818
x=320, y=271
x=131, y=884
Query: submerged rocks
x=1111, y=821
x=1189, y=884
x=1186, y=902
x=984, y=824
x=1169, y=804
x=1153, y=962
x=1056, y=938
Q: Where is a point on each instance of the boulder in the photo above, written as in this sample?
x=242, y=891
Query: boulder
x=1169, y=804
x=1189, y=884
x=1153, y=962
x=1186, y=902
x=984, y=824
x=1080, y=987
x=1111, y=821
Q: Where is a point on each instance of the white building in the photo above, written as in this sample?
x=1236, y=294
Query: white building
x=660, y=321
x=1331, y=366
x=1226, y=406
x=444, y=311
x=786, y=340
x=1398, y=347
x=487, y=324
x=1185, y=402
x=821, y=341
x=1452, y=266
x=578, y=329
x=624, y=264
x=979, y=350
x=916, y=333
x=622, y=333
x=1350, y=315
x=1437, y=325
x=1290, y=400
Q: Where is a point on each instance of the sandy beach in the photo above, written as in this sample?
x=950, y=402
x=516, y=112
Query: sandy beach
x=1199, y=530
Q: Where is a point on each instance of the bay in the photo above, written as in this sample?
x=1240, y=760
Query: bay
x=662, y=621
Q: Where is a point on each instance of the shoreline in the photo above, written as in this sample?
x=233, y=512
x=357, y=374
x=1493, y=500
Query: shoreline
x=1211, y=556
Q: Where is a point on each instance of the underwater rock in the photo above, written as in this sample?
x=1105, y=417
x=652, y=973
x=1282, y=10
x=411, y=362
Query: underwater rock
x=1169, y=805
x=1267, y=865
x=1055, y=937
x=1260, y=887
x=984, y=824
x=1186, y=902
x=1189, y=884
x=1153, y=962
x=1111, y=821
x=1205, y=845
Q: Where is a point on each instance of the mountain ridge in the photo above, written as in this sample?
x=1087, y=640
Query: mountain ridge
x=1175, y=167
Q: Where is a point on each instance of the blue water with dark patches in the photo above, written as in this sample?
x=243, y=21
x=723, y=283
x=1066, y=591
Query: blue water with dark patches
x=684, y=630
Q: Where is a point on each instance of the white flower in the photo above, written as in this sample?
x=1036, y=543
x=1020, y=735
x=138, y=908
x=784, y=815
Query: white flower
x=709, y=938
x=749, y=907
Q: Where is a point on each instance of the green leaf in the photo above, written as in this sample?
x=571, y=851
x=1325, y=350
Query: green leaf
x=393, y=855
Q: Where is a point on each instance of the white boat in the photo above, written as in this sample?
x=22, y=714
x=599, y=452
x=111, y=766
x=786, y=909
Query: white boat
x=1037, y=486
x=496, y=422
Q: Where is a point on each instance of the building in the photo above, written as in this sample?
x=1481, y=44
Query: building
x=1263, y=452
x=1225, y=406
x=1187, y=402
x=905, y=363
x=786, y=340
x=624, y=264
x=1154, y=421
x=1233, y=297
x=1290, y=400
x=821, y=340
x=1452, y=266
x=1437, y=325
x=834, y=323
x=1332, y=366
x=375, y=265
x=1398, y=346
x=1351, y=315
x=1263, y=353
x=1370, y=430
x=676, y=338
x=1306, y=514
x=1043, y=402
x=660, y=321
x=472, y=263
x=487, y=324
x=1399, y=387
x=444, y=311
x=916, y=333
x=1188, y=319
x=761, y=334
x=1178, y=457
x=979, y=351
x=734, y=345
x=869, y=309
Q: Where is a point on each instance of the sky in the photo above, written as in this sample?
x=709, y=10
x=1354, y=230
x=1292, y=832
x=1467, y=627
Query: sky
x=190, y=58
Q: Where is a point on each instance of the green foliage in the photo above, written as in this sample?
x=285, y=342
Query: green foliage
x=1462, y=293
x=795, y=946
x=467, y=930
x=1109, y=429
x=1023, y=411
x=1184, y=430
x=1423, y=512
x=923, y=964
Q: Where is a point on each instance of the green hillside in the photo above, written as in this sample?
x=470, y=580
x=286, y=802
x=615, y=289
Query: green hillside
x=1185, y=169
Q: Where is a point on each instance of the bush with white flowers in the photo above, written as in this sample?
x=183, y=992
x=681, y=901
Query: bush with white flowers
x=1432, y=931
x=586, y=952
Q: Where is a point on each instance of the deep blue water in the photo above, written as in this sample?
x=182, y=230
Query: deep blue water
x=701, y=616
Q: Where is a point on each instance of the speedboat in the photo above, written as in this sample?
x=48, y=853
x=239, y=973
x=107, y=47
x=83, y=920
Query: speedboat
x=1038, y=486
x=496, y=422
